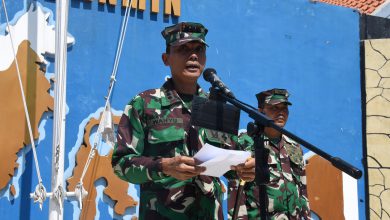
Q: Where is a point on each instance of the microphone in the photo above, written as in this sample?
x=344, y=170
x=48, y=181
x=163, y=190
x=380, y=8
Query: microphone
x=210, y=75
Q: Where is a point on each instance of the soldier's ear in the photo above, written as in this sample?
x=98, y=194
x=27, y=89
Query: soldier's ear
x=165, y=59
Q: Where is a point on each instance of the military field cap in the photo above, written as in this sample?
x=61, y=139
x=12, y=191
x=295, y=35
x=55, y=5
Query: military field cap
x=272, y=97
x=184, y=32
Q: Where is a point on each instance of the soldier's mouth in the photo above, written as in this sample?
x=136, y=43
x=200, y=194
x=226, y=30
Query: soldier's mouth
x=192, y=67
x=280, y=119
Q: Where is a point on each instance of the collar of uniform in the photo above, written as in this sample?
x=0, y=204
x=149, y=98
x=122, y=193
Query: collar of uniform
x=170, y=96
x=266, y=138
x=289, y=140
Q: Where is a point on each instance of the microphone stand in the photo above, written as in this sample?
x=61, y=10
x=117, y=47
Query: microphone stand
x=261, y=153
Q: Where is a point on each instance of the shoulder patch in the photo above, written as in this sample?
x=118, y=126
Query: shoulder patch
x=151, y=93
x=294, y=152
x=218, y=137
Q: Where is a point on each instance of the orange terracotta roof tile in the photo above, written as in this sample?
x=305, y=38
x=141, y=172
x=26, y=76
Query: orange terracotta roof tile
x=364, y=6
x=370, y=10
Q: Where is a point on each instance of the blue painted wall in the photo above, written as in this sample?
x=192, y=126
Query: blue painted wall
x=310, y=49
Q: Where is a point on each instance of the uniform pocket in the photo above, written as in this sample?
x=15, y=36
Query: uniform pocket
x=298, y=172
x=168, y=134
x=166, y=142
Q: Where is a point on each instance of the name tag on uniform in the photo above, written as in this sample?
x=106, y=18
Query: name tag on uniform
x=161, y=121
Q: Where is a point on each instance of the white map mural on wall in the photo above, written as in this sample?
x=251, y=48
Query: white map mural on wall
x=33, y=26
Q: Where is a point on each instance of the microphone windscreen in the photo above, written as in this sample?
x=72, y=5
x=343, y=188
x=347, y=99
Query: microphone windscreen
x=208, y=74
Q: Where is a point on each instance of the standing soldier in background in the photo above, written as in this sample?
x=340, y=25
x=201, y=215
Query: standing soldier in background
x=286, y=191
x=156, y=142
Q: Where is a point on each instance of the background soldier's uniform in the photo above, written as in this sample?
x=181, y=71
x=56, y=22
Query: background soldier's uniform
x=286, y=190
x=156, y=124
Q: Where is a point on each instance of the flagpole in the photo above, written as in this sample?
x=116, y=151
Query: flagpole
x=57, y=181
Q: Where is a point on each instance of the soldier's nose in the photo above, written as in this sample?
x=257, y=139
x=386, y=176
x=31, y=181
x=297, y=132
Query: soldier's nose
x=193, y=57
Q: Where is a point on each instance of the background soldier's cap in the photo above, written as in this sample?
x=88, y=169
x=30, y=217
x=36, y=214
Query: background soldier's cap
x=272, y=97
x=184, y=32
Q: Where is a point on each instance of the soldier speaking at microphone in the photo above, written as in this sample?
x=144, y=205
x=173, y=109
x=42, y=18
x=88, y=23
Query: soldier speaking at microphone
x=156, y=142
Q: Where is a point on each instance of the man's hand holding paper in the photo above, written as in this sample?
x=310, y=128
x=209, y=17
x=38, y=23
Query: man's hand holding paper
x=246, y=171
x=218, y=161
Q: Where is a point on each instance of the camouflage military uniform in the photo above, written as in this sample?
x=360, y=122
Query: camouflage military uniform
x=156, y=124
x=286, y=191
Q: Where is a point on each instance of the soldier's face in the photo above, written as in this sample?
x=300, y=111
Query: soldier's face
x=278, y=113
x=186, y=61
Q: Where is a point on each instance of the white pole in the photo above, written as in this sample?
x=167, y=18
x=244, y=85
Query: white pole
x=57, y=182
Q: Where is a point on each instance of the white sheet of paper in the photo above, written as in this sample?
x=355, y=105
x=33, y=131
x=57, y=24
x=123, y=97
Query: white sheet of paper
x=218, y=161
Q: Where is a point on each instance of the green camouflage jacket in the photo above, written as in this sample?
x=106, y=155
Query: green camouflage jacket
x=156, y=124
x=286, y=191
